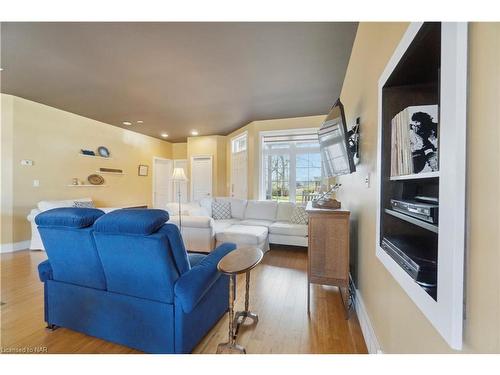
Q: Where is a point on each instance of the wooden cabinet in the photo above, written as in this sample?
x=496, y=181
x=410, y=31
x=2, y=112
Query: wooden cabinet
x=328, y=251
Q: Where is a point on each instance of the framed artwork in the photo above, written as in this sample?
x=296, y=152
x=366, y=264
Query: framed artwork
x=143, y=170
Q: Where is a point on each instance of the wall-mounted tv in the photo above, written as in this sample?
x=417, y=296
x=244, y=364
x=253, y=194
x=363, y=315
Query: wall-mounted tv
x=336, y=156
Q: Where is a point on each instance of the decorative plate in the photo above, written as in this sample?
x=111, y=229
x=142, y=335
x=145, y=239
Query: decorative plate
x=95, y=179
x=103, y=151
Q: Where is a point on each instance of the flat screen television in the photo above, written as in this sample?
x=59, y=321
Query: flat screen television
x=336, y=157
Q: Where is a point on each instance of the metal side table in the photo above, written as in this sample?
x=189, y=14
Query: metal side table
x=241, y=260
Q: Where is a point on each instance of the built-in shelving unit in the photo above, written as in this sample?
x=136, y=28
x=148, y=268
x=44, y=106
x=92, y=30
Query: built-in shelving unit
x=429, y=67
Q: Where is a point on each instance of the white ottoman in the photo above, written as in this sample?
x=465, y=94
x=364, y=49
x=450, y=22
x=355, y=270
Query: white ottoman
x=244, y=235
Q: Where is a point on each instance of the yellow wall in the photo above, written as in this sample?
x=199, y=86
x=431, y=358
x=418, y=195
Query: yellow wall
x=398, y=323
x=52, y=139
x=6, y=152
x=214, y=145
x=253, y=129
x=179, y=150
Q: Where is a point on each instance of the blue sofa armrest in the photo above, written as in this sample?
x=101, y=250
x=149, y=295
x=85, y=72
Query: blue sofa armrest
x=192, y=286
x=45, y=271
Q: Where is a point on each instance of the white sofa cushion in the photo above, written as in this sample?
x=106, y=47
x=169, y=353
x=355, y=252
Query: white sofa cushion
x=299, y=216
x=192, y=208
x=80, y=204
x=48, y=205
x=262, y=210
x=288, y=229
x=285, y=210
x=243, y=234
x=206, y=203
x=221, y=210
x=256, y=223
x=238, y=206
x=193, y=221
x=220, y=225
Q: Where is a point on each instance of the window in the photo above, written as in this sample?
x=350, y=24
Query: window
x=239, y=164
x=291, y=166
x=239, y=143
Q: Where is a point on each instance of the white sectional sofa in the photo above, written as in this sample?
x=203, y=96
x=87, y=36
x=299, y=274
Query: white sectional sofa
x=252, y=223
x=36, y=241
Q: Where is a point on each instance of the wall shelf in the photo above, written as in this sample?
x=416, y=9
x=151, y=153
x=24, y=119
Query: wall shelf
x=422, y=224
x=116, y=173
x=94, y=156
x=86, y=185
x=415, y=176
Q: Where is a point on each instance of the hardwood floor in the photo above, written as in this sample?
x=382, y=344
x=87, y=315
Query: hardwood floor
x=277, y=294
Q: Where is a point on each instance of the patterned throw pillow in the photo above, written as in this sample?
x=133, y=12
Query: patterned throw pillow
x=84, y=204
x=221, y=210
x=299, y=216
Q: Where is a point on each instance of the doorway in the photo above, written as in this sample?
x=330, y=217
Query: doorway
x=162, y=185
x=201, y=177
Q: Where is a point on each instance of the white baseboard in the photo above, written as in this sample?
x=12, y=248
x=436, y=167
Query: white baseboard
x=16, y=246
x=366, y=326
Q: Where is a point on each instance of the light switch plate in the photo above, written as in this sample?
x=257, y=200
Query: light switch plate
x=36, y=183
x=27, y=162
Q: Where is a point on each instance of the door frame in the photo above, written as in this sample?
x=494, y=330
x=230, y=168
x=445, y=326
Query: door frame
x=191, y=191
x=155, y=158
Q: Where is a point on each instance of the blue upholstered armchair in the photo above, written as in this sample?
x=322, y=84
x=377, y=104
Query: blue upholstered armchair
x=126, y=277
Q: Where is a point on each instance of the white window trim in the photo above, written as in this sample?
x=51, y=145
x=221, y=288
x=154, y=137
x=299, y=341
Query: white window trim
x=260, y=155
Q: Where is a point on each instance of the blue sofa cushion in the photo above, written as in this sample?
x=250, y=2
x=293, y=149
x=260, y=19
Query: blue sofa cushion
x=179, y=252
x=195, y=258
x=194, y=284
x=137, y=221
x=68, y=217
x=45, y=271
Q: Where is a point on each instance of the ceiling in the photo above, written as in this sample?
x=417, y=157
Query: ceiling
x=176, y=77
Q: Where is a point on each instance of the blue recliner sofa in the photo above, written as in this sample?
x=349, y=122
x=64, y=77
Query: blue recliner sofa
x=126, y=277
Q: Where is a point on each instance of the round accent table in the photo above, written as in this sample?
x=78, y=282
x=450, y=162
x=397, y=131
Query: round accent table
x=241, y=260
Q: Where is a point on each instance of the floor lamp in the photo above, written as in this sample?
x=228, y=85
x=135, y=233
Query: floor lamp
x=179, y=176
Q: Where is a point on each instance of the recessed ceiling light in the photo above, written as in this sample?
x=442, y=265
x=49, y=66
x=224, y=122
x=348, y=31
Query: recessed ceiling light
x=164, y=135
x=1, y=69
x=140, y=121
x=126, y=123
x=194, y=132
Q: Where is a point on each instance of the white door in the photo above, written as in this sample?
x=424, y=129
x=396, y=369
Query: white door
x=162, y=186
x=182, y=186
x=201, y=177
x=239, y=175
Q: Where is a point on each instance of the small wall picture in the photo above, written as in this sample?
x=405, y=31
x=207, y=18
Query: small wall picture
x=143, y=170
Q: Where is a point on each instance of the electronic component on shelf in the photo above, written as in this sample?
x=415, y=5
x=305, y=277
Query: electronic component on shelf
x=414, y=256
x=423, y=211
x=422, y=198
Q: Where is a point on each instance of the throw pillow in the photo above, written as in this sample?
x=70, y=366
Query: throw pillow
x=84, y=204
x=299, y=216
x=221, y=210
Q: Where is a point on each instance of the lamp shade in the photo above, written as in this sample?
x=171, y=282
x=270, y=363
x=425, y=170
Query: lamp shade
x=179, y=175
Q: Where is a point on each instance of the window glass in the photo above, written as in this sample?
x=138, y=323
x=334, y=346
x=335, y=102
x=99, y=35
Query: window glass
x=278, y=177
x=292, y=170
x=239, y=144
